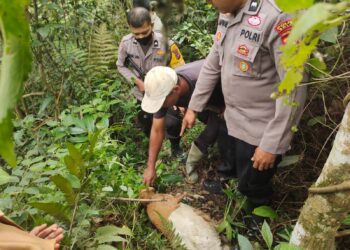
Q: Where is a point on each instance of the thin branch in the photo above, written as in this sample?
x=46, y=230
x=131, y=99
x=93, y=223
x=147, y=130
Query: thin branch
x=342, y=233
x=138, y=200
x=33, y=94
x=344, y=186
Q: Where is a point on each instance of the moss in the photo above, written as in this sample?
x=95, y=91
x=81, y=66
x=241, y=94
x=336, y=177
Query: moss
x=335, y=175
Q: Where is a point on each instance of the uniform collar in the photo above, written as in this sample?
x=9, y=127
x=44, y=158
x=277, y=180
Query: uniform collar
x=155, y=43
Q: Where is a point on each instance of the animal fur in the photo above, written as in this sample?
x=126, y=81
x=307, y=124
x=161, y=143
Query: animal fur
x=189, y=224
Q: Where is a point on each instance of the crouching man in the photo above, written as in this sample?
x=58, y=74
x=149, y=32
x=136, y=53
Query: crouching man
x=165, y=89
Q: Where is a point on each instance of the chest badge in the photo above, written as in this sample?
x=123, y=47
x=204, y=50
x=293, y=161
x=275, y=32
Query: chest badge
x=218, y=36
x=243, y=50
x=243, y=66
x=254, y=21
x=160, y=52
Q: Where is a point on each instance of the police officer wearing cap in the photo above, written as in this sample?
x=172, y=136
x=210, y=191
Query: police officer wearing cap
x=246, y=55
x=139, y=52
x=165, y=88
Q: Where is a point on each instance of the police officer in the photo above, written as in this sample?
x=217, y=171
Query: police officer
x=246, y=55
x=165, y=88
x=139, y=52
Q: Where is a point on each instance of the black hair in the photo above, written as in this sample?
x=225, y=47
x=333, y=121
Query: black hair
x=142, y=3
x=138, y=16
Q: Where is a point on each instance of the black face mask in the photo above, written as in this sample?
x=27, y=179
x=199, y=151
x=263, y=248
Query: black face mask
x=145, y=40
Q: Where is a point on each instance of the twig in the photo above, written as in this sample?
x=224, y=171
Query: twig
x=33, y=94
x=345, y=186
x=342, y=233
x=74, y=214
x=346, y=99
x=324, y=145
x=140, y=200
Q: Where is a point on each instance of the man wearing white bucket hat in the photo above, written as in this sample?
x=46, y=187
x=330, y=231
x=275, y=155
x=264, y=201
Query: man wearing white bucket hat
x=166, y=88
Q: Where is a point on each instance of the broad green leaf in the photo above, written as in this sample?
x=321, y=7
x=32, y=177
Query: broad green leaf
x=78, y=139
x=244, y=243
x=89, y=123
x=286, y=246
x=289, y=160
x=31, y=190
x=15, y=67
x=106, y=247
x=56, y=210
x=44, y=31
x=267, y=234
x=317, y=67
x=93, y=140
x=110, y=238
x=315, y=120
x=64, y=185
x=265, y=211
x=74, y=181
x=292, y=6
x=107, y=189
x=171, y=178
x=111, y=230
x=4, y=177
x=74, y=161
x=346, y=221
x=330, y=35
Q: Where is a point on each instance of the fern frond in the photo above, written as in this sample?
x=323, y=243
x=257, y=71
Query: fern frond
x=169, y=231
x=102, y=51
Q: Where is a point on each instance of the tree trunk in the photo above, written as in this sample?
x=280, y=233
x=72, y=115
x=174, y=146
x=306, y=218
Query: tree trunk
x=328, y=202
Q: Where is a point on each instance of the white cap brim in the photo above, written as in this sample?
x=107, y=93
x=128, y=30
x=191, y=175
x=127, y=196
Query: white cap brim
x=150, y=105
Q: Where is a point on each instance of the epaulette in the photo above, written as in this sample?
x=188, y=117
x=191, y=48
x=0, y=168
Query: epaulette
x=273, y=3
x=127, y=37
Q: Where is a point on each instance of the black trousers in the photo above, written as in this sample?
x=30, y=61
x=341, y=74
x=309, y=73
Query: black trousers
x=215, y=126
x=254, y=184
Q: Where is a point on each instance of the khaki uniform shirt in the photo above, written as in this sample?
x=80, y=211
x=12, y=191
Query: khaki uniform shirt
x=246, y=54
x=155, y=56
x=13, y=237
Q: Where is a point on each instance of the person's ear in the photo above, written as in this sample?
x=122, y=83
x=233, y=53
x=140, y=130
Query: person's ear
x=176, y=89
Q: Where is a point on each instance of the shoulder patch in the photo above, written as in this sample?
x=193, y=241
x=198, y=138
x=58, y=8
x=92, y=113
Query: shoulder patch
x=283, y=29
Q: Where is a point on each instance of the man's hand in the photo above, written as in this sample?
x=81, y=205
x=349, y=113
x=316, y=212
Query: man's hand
x=263, y=160
x=149, y=176
x=188, y=121
x=53, y=232
x=140, y=84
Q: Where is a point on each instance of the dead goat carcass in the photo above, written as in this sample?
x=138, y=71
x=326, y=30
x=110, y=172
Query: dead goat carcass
x=181, y=223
